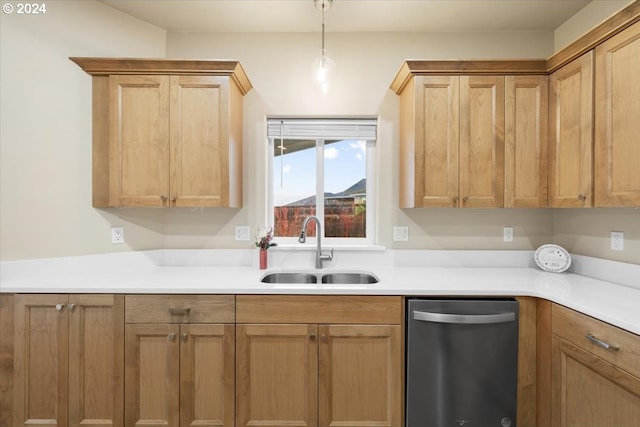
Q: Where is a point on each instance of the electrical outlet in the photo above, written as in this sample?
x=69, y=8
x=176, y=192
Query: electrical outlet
x=400, y=234
x=617, y=241
x=507, y=234
x=242, y=232
x=117, y=235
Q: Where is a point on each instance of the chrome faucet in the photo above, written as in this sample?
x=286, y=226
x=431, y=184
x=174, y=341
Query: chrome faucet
x=303, y=238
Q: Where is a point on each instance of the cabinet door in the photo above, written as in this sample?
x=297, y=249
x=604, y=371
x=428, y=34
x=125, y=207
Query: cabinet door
x=360, y=380
x=96, y=360
x=481, y=141
x=617, y=120
x=570, y=136
x=200, y=141
x=152, y=370
x=526, y=136
x=139, y=140
x=41, y=360
x=590, y=392
x=435, y=151
x=207, y=375
x=277, y=375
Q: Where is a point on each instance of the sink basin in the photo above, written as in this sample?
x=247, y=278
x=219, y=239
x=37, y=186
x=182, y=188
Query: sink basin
x=320, y=277
x=349, y=278
x=289, y=277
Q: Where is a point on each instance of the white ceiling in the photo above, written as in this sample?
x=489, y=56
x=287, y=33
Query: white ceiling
x=351, y=15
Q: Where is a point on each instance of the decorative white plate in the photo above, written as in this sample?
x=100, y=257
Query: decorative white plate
x=552, y=258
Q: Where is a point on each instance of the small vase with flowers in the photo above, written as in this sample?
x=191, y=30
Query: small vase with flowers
x=264, y=237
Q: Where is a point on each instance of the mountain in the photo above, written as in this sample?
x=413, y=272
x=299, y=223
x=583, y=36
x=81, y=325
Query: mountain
x=359, y=187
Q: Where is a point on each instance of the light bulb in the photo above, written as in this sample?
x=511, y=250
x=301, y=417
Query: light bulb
x=322, y=69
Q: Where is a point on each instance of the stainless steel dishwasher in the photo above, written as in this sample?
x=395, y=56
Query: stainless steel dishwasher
x=462, y=363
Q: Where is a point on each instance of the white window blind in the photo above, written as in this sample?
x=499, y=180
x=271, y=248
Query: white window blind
x=338, y=129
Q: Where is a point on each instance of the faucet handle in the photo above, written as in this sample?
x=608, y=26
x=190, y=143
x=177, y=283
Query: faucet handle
x=327, y=257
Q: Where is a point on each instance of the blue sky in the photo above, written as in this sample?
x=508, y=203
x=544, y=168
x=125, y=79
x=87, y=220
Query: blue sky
x=344, y=164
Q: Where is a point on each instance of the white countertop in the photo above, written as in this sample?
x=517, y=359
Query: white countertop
x=408, y=273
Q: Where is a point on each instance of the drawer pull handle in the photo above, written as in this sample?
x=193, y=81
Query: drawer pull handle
x=601, y=343
x=180, y=311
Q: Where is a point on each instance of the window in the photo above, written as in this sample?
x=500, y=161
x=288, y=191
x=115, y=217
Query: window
x=322, y=167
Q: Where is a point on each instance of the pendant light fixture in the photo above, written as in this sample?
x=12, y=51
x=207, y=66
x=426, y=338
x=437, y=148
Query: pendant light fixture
x=322, y=66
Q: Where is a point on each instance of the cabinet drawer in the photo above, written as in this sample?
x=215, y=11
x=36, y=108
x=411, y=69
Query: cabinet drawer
x=318, y=309
x=575, y=327
x=179, y=309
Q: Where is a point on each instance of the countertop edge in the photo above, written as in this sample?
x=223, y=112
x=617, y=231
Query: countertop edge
x=607, y=301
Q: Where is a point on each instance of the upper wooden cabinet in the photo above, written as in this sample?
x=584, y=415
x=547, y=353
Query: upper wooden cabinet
x=429, y=142
x=166, y=132
x=481, y=142
x=461, y=144
x=451, y=140
x=571, y=134
x=617, y=120
x=526, y=141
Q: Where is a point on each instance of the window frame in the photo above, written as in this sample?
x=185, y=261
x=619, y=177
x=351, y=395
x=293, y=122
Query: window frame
x=371, y=199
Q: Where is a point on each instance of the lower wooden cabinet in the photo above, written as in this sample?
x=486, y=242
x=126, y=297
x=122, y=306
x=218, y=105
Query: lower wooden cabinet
x=592, y=385
x=360, y=371
x=68, y=360
x=277, y=360
x=277, y=375
x=333, y=371
x=179, y=373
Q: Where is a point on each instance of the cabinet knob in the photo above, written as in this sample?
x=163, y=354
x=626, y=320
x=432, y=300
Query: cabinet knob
x=455, y=199
x=323, y=338
x=59, y=307
x=465, y=199
x=184, y=337
x=163, y=199
x=312, y=337
x=71, y=307
x=173, y=199
x=582, y=197
x=171, y=337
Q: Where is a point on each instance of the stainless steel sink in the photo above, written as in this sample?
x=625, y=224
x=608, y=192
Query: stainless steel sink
x=289, y=277
x=320, y=277
x=360, y=278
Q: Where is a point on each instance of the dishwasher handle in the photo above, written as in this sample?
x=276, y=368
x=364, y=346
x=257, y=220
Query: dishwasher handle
x=465, y=319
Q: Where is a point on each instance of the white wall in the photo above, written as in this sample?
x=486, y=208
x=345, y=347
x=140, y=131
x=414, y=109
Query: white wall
x=585, y=20
x=46, y=135
x=279, y=66
x=46, y=129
